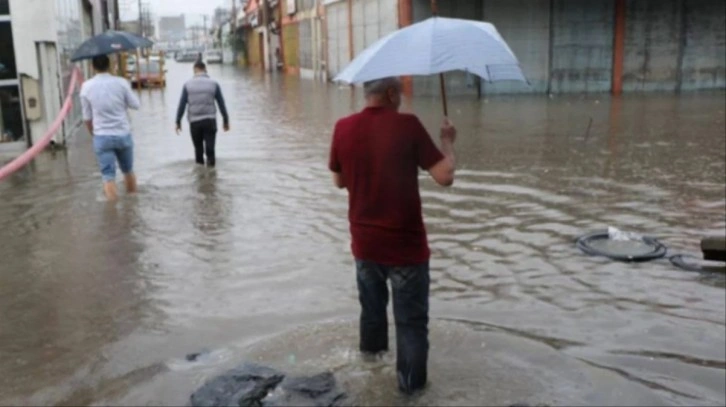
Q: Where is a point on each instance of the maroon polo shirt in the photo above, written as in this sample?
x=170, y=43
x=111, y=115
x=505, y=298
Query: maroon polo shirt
x=378, y=153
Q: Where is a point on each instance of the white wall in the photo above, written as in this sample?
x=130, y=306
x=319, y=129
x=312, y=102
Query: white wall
x=33, y=21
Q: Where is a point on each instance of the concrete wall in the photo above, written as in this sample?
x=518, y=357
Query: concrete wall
x=652, y=45
x=563, y=46
x=457, y=83
x=704, y=42
x=674, y=44
x=525, y=26
x=567, y=45
x=582, y=46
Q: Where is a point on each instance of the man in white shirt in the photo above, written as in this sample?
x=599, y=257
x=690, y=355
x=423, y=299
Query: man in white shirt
x=105, y=99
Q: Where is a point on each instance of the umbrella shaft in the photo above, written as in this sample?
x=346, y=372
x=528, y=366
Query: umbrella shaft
x=443, y=94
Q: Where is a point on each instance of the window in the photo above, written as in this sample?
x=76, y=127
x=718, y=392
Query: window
x=4, y=7
x=11, y=115
x=7, y=53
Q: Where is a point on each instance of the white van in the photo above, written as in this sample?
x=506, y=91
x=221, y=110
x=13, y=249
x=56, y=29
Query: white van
x=213, y=56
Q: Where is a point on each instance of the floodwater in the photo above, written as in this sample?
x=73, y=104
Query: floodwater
x=100, y=303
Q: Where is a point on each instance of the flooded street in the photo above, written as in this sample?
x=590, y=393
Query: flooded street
x=100, y=303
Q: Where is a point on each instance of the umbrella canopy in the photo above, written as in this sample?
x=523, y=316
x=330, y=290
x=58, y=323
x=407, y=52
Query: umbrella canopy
x=108, y=43
x=434, y=46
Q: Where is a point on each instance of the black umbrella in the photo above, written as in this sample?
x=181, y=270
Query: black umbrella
x=108, y=43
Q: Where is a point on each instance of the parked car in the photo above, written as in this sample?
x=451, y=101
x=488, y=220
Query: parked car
x=187, y=56
x=149, y=74
x=213, y=56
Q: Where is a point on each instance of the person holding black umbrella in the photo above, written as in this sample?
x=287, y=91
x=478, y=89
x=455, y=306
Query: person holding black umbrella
x=105, y=99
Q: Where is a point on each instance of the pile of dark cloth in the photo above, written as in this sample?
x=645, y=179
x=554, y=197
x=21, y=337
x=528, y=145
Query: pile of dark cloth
x=260, y=386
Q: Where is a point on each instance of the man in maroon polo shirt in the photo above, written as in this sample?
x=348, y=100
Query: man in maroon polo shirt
x=376, y=155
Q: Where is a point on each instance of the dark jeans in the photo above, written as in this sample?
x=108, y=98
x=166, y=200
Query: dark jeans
x=204, y=134
x=410, y=286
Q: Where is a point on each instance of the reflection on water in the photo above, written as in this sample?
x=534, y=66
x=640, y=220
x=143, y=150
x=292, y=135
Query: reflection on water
x=101, y=302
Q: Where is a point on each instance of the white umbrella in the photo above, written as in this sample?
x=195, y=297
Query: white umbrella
x=435, y=46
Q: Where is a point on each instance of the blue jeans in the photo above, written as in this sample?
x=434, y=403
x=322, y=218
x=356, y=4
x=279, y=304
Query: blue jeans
x=410, y=286
x=111, y=148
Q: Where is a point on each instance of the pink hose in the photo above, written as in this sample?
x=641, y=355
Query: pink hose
x=33, y=151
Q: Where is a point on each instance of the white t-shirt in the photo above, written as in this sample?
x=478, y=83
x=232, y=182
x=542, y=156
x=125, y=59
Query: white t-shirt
x=105, y=99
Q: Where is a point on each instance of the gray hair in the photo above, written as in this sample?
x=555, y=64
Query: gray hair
x=380, y=86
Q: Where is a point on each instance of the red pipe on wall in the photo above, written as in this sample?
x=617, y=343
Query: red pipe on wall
x=23, y=159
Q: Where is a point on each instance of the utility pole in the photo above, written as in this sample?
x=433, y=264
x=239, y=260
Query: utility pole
x=195, y=34
x=204, y=33
x=141, y=19
x=233, y=31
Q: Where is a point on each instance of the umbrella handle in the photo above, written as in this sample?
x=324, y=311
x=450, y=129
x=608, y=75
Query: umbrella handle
x=443, y=94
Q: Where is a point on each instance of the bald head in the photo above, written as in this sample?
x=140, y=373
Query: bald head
x=385, y=92
x=381, y=86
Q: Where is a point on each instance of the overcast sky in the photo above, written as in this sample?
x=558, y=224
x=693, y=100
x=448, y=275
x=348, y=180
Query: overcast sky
x=192, y=8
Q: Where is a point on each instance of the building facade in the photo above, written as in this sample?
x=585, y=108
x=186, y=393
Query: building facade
x=35, y=67
x=172, y=29
x=564, y=46
x=258, y=26
x=589, y=46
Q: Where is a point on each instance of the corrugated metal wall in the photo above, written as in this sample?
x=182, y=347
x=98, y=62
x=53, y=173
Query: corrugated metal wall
x=373, y=19
x=336, y=16
x=305, y=32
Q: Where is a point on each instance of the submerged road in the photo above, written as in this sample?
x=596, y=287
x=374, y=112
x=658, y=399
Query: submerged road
x=99, y=303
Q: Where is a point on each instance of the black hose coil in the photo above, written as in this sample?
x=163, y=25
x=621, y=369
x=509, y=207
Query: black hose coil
x=658, y=249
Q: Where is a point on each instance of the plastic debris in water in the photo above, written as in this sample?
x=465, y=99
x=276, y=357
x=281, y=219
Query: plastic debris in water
x=617, y=234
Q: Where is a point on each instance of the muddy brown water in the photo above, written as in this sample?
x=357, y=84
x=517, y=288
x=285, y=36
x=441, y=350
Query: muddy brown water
x=99, y=303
